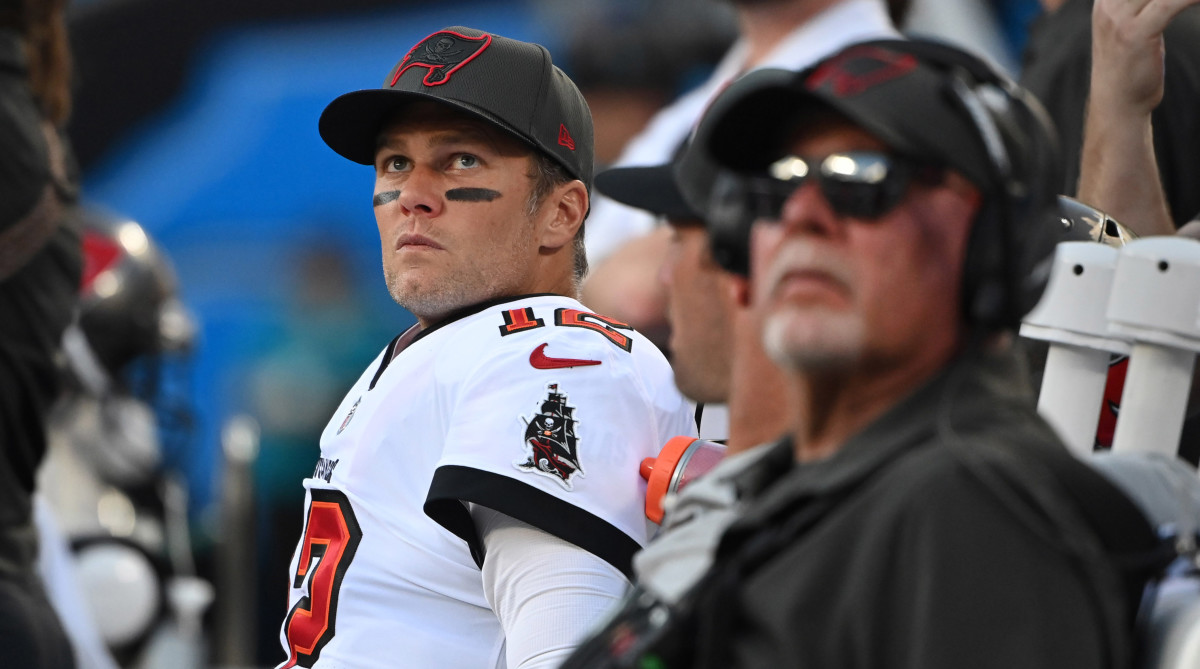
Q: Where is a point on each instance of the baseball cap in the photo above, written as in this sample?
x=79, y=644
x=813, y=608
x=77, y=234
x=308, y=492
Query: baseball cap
x=509, y=83
x=895, y=94
x=651, y=188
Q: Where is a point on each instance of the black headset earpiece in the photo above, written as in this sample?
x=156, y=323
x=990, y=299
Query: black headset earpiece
x=729, y=224
x=1014, y=235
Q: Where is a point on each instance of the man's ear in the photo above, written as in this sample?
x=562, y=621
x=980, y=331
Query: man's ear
x=563, y=213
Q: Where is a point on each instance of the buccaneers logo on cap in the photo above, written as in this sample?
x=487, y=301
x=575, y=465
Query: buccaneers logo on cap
x=442, y=53
x=859, y=69
x=551, y=441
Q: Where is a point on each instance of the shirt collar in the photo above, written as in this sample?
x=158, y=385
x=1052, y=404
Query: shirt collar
x=974, y=383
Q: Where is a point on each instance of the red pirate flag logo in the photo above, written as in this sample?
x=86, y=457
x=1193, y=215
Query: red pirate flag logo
x=442, y=54
x=551, y=443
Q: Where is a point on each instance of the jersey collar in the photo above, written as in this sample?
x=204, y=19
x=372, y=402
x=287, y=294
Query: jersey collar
x=415, y=333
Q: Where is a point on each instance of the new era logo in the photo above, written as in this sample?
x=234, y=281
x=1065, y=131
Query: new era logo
x=564, y=137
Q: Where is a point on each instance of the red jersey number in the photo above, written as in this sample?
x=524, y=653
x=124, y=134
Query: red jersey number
x=595, y=322
x=331, y=537
x=520, y=320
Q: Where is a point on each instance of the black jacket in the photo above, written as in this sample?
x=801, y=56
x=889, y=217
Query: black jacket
x=949, y=533
x=37, y=298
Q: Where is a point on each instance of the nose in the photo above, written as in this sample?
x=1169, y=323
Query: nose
x=421, y=194
x=807, y=211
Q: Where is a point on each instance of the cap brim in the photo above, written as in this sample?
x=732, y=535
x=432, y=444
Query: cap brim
x=651, y=188
x=350, y=125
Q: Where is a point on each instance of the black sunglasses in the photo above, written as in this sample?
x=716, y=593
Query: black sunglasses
x=858, y=184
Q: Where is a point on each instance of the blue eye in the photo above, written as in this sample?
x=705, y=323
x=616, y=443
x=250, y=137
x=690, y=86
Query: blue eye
x=466, y=160
x=395, y=164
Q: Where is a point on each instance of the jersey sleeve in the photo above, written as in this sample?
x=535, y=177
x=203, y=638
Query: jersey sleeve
x=550, y=428
x=546, y=593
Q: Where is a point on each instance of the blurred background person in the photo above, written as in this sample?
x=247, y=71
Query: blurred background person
x=628, y=67
x=1057, y=68
x=1130, y=61
x=1121, y=84
x=1119, y=169
x=993, y=29
x=715, y=330
x=40, y=263
x=117, y=432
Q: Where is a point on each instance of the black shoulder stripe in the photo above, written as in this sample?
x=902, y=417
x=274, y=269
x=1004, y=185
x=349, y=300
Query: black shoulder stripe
x=387, y=359
x=453, y=484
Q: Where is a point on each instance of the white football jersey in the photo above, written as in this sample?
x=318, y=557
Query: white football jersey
x=530, y=406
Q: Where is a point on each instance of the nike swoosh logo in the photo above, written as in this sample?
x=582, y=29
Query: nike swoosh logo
x=540, y=360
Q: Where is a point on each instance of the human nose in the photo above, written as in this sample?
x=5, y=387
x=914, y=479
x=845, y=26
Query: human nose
x=421, y=194
x=807, y=210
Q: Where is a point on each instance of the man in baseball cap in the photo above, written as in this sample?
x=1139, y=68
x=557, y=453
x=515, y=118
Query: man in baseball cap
x=894, y=201
x=916, y=103
x=715, y=343
x=477, y=500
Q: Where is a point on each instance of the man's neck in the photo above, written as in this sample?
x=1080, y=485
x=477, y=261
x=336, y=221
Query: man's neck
x=1051, y=6
x=765, y=25
x=759, y=392
x=831, y=407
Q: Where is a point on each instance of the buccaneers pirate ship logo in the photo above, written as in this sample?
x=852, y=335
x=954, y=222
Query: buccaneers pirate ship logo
x=442, y=54
x=550, y=441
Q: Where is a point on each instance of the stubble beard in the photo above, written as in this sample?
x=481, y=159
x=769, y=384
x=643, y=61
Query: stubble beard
x=431, y=296
x=434, y=297
x=813, y=340
x=810, y=336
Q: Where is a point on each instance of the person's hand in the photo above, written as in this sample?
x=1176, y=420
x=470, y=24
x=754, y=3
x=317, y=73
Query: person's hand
x=1127, y=52
x=1118, y=170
